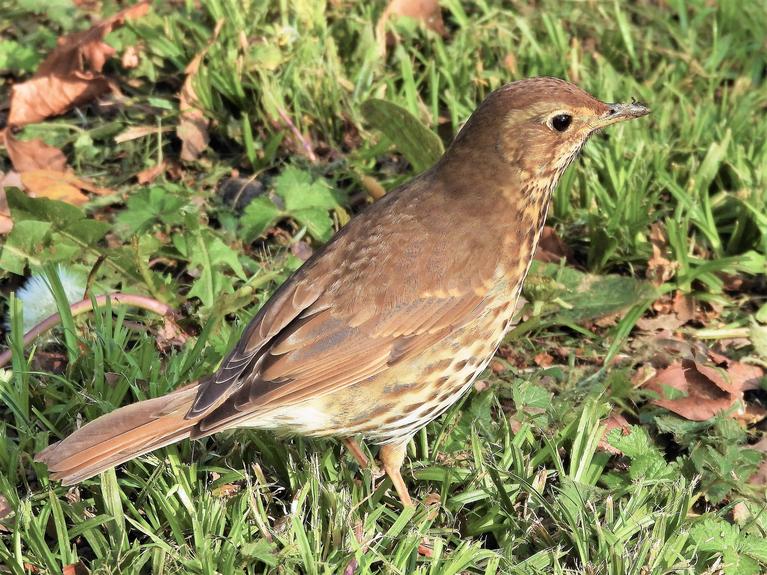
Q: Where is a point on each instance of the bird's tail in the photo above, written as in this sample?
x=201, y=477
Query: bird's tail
x=120, y=436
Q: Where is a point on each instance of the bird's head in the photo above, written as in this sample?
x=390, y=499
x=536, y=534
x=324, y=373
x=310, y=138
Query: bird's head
x=536, y=127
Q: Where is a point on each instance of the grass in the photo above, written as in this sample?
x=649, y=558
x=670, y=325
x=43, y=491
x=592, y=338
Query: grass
x=513, y=478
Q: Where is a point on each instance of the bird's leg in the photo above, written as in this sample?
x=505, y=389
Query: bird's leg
x=392, y=457
x=355, y=449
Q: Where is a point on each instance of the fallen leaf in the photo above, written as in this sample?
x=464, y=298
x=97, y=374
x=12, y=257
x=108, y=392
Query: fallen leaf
x=71, y=74
x=664, y=322
x=497, y=367
x=192, y=128
x=745, y=376
x=33, y=154
x=699, y=398
x=226, y=490
x=684, y=307
x=659, y=268
x=136, y=132
x=543, y=359
x=150, y=174
x=426, y=11
x=705, y=390
x=480, y=385
x=551, y=248
x=62, y=186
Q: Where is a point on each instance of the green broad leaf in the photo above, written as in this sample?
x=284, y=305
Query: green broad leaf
x=264, y=57
x=646, y=460
x=307, y=200
x=758, y=336
x=23, y=244
x=526, y=394
x=48, y=231
x=209, y=257
x=583, y=296
x=741, y=553
x=598, y=296
x=420, y=146
x=300, y=191
x=261, y=550
x=222, y=255
x=18, y=57
x=60, y=214
x=755, y=547
x=257, y=217
x=714, y=535
x=317, y=222
x=147, y=207
x=634, y=444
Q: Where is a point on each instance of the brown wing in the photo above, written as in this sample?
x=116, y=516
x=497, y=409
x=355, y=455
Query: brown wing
x=320, y=352
x=372, y=297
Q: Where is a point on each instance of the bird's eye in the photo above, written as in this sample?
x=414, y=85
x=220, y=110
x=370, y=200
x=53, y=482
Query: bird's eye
x=561, y=122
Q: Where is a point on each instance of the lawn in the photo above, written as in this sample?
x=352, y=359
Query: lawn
x=620, y=428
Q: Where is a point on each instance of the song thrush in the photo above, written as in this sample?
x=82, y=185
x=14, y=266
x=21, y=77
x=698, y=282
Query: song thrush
x=389, y=323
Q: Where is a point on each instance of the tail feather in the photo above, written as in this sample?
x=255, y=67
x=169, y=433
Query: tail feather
x=121, y=435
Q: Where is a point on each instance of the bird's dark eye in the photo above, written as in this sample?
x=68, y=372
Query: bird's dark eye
x=561, y=122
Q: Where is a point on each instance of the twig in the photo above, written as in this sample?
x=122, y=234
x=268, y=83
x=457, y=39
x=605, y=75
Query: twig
x=86, y=305
x=299, y=136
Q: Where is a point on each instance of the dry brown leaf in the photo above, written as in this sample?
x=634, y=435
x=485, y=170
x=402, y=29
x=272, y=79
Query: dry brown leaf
x=426, y=11
x=659, y=268
x=708, y=389
x=33, y=154
x=192, y=127
x=684, y=307
x=702, y=399
x=665, y=323
x=45, y=96
x=302, y=250
x=148, y=175
x=136, y=132
x=62, y=186
x=551, y=248
x=543, y=359
x=71, y=74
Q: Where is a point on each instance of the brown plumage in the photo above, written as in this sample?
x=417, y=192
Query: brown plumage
x=390, y=322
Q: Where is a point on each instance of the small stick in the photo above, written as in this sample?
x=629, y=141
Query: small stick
x=299, y=136
x=86, y=305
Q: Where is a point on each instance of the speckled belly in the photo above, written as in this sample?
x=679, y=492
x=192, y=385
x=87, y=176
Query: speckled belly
x=392, y=406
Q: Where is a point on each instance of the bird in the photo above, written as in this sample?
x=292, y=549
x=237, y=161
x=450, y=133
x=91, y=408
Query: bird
x=389, y=323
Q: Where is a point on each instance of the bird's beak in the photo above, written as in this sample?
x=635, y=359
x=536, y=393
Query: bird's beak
x=620, y=112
